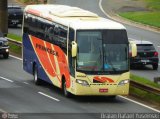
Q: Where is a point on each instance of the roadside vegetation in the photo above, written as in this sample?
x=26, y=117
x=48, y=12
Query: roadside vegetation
x=15, y=37
x=151, y=16
x=143, y=94
x=14, y=48
x=144, y=81
x=32, y=1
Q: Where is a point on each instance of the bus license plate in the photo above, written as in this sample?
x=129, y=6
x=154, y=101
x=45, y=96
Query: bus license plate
x=103, y=90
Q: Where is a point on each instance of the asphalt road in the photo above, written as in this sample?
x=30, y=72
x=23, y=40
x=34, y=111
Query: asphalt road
x=19, y=95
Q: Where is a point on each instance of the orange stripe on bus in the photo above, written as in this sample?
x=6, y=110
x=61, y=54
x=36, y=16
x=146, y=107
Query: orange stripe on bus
x=63, y=66
x=52, y=60
x=42, y=55
x=103, y=79
x=46, y=55
x=51, y=56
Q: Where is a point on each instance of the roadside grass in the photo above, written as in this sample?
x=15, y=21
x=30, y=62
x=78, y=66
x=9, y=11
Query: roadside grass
x=15, y=37
x=15, y=49
x=24, y=1
x=31, y=1
x=143, y=94
x=153, y=4
x=144, y=81
x=150, y=17
x=12, y=47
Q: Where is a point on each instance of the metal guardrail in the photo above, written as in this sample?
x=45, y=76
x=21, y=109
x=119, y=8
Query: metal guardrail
x=146, y=88
x=132, y=83
x=18, y=43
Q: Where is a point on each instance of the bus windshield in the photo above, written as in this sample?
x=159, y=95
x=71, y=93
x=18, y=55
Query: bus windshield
x=102, y=51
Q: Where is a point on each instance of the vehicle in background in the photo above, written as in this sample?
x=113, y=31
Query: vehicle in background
x=146, y=55
x=15, y=16
x=4, y=48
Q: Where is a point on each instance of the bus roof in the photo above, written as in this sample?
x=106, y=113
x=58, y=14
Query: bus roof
x=75, y=17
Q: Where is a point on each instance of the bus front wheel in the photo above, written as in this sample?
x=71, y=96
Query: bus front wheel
x=66, y=93
x=35, y=74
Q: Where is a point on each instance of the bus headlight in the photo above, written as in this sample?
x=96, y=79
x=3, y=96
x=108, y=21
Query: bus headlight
x=82, y=82
x=123, y=82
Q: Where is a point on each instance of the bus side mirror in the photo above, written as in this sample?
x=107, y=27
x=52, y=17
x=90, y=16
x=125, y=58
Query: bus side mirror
x=74, y=49
x=133, y=48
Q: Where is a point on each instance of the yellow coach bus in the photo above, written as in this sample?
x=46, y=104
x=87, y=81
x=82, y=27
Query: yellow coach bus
x=76, y=50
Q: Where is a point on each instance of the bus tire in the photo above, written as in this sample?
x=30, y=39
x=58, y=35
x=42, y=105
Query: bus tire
x=65, y=92
x=35, y=75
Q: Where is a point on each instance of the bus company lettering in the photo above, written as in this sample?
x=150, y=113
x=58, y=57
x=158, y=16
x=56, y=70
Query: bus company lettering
x=46, y=49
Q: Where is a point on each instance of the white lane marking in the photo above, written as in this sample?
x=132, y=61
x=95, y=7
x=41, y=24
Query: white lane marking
x=26, y=83
x=6, y=79
x=140, y=104
x=15, y=57
x=100, y=5
x=49, y=96
x=123, y=98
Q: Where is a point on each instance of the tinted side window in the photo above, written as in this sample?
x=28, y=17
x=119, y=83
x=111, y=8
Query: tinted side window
x=46, y=30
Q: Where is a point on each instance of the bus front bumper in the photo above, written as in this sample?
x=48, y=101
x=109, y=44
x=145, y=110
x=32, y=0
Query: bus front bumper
x=101, y=89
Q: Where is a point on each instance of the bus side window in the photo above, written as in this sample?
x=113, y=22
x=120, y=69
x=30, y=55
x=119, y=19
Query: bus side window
x=46, y=33
x=39, y=34
x=63, y=38
x=50, y=34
